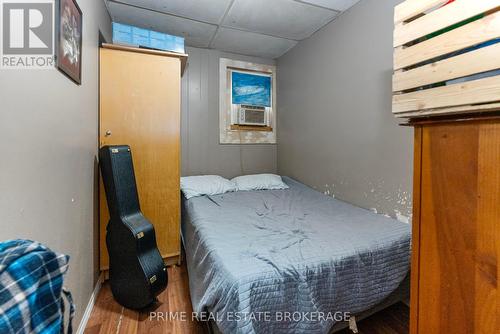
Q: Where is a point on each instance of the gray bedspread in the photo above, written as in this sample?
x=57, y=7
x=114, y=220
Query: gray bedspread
x=255, y=256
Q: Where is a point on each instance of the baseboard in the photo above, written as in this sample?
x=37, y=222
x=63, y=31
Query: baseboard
x=90, y=305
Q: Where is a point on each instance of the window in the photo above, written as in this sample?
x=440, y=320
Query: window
x=247, y=103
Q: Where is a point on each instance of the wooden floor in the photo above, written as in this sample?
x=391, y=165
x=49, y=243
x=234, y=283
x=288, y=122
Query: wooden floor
x=109, y=317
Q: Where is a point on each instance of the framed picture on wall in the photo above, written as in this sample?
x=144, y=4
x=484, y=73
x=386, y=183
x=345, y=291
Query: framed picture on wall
x=69, y=40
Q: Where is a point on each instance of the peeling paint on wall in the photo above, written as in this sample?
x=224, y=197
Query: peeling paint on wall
x=328, y=191
x=395, y=204
x=402, y=218
x=339, y=130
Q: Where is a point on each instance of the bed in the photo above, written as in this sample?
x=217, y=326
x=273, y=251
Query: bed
x=255, y=256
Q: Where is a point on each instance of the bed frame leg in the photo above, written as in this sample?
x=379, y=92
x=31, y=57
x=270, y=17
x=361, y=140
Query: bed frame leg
x=352, y=324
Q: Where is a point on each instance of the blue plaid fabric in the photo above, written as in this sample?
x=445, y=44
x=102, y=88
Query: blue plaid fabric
x=31, y=286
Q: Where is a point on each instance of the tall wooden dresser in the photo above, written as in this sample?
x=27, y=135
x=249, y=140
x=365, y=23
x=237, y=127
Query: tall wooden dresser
x=456, y=227
x=140, y=93
x=447, y=84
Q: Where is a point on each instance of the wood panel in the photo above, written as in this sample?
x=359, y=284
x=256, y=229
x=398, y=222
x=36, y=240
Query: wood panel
x=444, y=17
x=181, y=56
x=251, y=128
x=411, y=8
x=474, y=33
x=468, y=109
x=415, y=256
x=412, y=96
x=487, y=266
x=140, y=106
x=459, y=229
x=471, y=92
x=478, y=61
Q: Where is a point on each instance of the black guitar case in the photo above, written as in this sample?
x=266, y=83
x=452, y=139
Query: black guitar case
x=137, y=272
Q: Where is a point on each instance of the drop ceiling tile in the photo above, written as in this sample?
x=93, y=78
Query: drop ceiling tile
x=281, y=18
x=210, y=11
x=339, y=5
x=251, y=44
x=197, y=34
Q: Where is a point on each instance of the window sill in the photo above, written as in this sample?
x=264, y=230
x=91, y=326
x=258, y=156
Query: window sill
x=236, y=127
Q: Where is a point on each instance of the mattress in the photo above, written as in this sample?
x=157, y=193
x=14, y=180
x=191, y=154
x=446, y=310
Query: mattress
x=254, y=257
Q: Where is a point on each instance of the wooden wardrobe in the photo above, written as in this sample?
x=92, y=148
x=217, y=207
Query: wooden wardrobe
x=140, y=92
x=447, y=84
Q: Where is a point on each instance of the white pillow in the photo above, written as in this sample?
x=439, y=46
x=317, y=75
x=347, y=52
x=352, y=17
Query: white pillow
x=259, y=182
x=193, y=186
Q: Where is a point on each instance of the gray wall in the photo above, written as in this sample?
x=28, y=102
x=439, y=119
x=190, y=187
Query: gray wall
x=335, y=128
x=201, y=151
x=48, y=129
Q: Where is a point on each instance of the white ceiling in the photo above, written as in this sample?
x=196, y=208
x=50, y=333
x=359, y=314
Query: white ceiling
x=264, y=28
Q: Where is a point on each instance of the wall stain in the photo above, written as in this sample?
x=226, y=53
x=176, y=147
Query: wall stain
x=396, y=204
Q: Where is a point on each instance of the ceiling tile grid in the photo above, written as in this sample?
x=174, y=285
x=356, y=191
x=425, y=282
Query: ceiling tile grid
x=250, y=43
x=280, y=18
x=263, y=28
x=197, y=34
x=208, y=11
x=339, y=5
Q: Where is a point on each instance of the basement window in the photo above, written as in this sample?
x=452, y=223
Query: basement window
x=247, y=103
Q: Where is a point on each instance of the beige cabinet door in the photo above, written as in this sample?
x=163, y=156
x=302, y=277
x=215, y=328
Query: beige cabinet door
x=140, y=107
